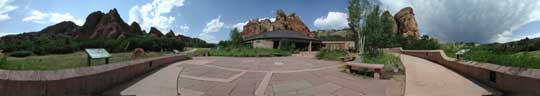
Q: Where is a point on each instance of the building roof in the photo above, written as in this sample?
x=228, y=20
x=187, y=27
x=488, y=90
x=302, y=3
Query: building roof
x=281, y=34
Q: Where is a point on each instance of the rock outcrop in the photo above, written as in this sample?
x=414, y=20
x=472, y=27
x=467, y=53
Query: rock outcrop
x=170, y=34
x=155, y=32
x=110, y=26
x=406, y=23
x=282, y=22
x=98, y=25
x=66, y=27
x=388, y=16
x=135, y=28
x=56, y=31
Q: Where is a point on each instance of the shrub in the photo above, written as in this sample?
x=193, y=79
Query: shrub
x=20, y=53
x=517, y=59
x=495, y=54
x=145, y=42
x=328, y=54
x=248, y=52
x=424, y=43
x=390, y=61
x=3, y=59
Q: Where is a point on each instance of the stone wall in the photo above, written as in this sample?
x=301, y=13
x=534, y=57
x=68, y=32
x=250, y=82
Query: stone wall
x=263, y=44
x=510, y=80
x=86, y=81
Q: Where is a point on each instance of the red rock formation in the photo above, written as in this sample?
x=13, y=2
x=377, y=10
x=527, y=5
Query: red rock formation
x=170, y=34
x=135, y=28
x=155, y=32
x=282, y=22
x=406, y=23
x=98, y=25
x=296, y=24
x=251, y=28
x=110, y=26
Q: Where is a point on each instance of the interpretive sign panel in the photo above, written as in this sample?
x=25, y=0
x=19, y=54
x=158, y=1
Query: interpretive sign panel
x=97, y=53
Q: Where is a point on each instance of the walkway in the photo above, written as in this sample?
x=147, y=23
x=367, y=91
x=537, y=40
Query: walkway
x=273, y=76
x=425, y=78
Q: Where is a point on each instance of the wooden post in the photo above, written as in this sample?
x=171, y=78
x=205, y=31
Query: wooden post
x=309, y=46
x=89, y=60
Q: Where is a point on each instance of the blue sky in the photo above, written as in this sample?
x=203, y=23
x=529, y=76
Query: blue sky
x=189, y=17
x=448, y=20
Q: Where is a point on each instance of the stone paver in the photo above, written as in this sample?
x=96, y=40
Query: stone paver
x=425, y=78
x=274, y=76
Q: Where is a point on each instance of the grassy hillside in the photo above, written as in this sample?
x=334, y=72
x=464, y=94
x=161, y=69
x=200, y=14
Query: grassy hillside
x=501, y=55
x=63, y=61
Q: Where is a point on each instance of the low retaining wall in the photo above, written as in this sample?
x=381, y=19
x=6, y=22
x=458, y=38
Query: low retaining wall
x=509, y=80
x=79, y=81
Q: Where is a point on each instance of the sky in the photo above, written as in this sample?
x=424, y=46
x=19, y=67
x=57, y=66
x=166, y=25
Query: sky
x=482, y=21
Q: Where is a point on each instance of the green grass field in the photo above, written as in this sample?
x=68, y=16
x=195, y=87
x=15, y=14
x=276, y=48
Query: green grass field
x=479, y=53
x=63, y=61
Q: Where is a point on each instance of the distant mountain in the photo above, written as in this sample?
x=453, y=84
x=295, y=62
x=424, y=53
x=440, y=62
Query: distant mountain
x=98, y=25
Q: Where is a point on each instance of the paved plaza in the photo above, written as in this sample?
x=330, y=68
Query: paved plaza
x=425, y=78
x=293, y=76
x=273, y=76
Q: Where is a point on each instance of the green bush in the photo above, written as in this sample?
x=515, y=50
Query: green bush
x=3, y=59
x=494, y=54
x=147, y=43
x=517, y=60
x=424, y=43
x=331, y=54
x=390, y=61
x=20, y=53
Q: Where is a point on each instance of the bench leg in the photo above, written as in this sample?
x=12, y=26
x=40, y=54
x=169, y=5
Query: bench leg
x=377, y=74
x=348, y=68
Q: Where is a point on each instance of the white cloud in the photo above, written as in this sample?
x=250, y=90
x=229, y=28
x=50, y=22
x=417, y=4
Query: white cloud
x=504, y=37
x=43, y=18
x=334, y=20
x=6, y=33
x=5, y=8
x=213, y=26
x=240, y=26
x=153, y=14
x=481, y=21
x=183, y=29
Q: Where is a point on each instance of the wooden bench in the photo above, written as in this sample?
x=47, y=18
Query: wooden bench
x=349, y=57
x=377, y=69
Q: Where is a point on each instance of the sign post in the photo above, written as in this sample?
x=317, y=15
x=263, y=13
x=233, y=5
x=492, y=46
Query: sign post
x=97, y=53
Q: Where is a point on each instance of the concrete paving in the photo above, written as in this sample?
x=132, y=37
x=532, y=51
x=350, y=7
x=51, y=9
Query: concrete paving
x=425, y=78
x=274, y=76
x=161, y=83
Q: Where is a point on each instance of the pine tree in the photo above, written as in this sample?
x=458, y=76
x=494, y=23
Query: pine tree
x=236, y=40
